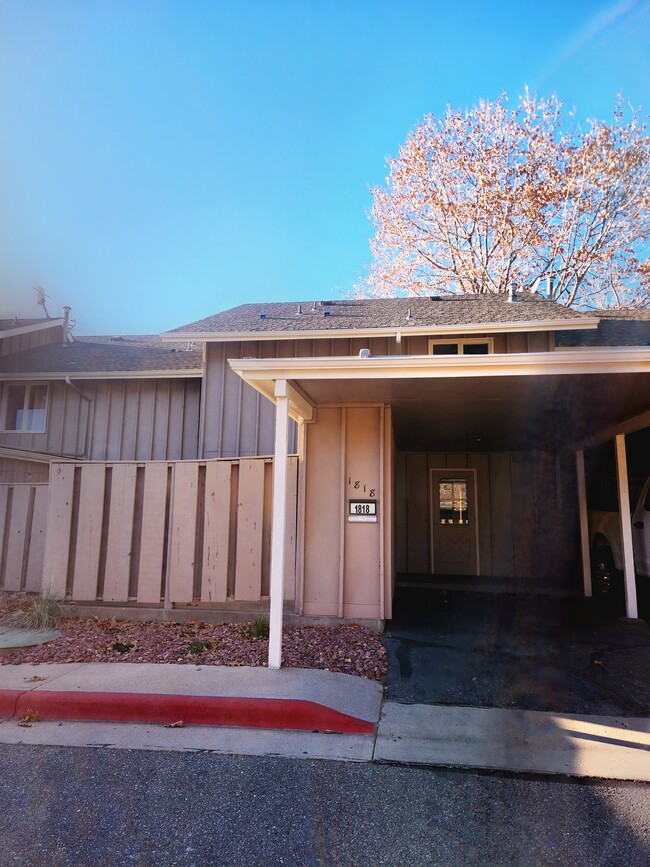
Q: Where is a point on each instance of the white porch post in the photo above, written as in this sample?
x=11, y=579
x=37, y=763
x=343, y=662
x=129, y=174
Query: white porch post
x=631, y=608
x=584, y=522
x=279, y=520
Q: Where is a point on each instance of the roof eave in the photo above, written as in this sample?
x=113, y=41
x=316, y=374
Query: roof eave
x=259, y=372
x=586, y=324
x=27, y=329
x=104, y=374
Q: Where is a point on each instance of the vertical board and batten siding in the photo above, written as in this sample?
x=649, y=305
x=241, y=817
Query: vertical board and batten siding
x=518, y=515
x=164, y=531
x=121, y=420
x=30, y=339
x=347, y=565
x=23, y=521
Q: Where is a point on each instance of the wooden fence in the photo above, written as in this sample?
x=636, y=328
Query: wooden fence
x=165, y=531
x=23, y=516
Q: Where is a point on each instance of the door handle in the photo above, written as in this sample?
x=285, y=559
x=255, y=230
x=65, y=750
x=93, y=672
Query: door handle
x=638, y=525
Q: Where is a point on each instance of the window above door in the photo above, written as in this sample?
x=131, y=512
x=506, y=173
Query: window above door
x=461, y=346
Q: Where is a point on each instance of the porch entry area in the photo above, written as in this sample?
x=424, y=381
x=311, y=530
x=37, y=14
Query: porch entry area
x=487, y=514
x=454, y=526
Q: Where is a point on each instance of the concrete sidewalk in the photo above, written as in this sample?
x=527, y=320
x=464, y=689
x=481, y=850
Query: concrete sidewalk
x=303, y=713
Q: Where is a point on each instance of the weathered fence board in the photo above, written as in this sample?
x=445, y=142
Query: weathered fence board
x=120, y=533
x=248, y=570
x=89, y=531
x=216, y=529
x=147, y=532
x=22, y=532
x=183, y=532
x=152, y=545
x=59, y=524
x=34, y=575
x=18, y=537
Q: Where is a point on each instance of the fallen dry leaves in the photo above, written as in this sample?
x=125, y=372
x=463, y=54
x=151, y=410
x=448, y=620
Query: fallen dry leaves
x=349, y=648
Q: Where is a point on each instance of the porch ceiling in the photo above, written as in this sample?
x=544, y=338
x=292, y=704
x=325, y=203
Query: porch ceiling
x=541, y=400
x=505, y=413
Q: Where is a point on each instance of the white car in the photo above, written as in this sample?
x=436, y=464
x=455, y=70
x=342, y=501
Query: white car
x=607, y=548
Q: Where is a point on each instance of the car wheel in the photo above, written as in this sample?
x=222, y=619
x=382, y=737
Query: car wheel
x=603, y=573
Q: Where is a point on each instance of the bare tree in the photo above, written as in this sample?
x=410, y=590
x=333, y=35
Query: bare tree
x=480, y=200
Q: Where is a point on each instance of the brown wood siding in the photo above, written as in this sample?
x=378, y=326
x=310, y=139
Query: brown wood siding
x=23, y=471
x=520, y=527
x=121, y=420
x=345, y=567
x=239, y=422
x=29, y=340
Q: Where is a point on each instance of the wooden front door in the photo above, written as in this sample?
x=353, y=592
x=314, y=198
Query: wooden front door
x=454, y=526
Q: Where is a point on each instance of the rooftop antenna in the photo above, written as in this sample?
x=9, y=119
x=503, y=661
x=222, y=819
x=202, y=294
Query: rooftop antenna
x=40, y=298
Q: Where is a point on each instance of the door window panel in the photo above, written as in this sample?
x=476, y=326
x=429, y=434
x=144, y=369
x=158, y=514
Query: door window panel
x=452, y=495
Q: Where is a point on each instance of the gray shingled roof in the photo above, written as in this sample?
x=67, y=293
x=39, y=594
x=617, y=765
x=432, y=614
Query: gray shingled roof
x=131, y=354
x=616, y=328
x=364, y=313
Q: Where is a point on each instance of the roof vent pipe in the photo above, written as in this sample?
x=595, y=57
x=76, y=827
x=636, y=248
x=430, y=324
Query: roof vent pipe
x=299, y=311
x=409, y=316
x=66, y=325
x=512, y=292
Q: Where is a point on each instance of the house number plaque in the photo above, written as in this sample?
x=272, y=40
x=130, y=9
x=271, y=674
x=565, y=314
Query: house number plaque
x=362, y=511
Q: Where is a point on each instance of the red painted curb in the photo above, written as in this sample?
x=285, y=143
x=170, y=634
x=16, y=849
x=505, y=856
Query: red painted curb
x=268, y=713
x=8, y=700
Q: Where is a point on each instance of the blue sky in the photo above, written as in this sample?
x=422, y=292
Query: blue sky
x=161, y=160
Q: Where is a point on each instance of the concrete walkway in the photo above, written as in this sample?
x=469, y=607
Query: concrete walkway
x=302, y=713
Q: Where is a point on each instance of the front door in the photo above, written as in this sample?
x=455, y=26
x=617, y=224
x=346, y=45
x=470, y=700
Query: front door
x=453, y=522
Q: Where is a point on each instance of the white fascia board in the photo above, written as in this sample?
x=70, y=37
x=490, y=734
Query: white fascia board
x=389, y=331
x=114, y=374
x=611, y=360
x=28, y=329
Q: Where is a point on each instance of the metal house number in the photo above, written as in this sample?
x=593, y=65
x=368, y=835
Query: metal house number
x=362, y=511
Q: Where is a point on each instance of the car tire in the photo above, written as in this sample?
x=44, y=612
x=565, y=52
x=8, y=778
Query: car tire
x=604, y=575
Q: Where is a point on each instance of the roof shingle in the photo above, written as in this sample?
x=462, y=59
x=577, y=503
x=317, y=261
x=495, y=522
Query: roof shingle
x=364, y=313
x=142, y=353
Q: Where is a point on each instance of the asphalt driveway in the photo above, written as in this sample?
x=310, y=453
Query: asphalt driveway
x=563, y=655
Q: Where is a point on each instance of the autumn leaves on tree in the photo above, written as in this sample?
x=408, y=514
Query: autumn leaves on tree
x=482, y=200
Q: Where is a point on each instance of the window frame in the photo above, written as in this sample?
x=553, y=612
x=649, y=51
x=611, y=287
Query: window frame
x=461, y=342
x=27, y=386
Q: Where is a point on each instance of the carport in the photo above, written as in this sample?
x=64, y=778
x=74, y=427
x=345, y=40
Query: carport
x=364, y=412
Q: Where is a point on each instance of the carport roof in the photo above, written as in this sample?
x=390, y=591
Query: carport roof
x=528, y=400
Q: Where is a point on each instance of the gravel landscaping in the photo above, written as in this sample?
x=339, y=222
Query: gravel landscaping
x=349, y=649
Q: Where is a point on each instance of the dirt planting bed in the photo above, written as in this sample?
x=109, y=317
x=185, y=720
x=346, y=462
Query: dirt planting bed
x=350, y=649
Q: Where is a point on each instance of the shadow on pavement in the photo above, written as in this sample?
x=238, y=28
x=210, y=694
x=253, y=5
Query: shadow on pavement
x=510, y=650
